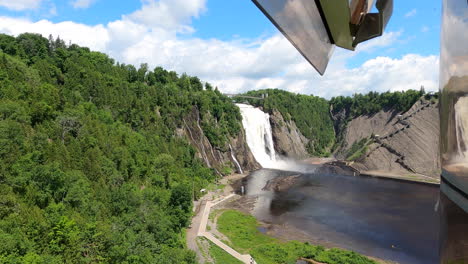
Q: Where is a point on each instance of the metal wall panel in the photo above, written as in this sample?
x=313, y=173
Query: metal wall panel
x=454, y=132
x=301, y=23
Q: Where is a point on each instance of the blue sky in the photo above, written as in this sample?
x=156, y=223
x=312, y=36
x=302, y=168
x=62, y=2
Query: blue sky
x=232, y=45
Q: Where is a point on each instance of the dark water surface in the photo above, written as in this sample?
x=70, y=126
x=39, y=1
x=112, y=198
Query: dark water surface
x=382, y=218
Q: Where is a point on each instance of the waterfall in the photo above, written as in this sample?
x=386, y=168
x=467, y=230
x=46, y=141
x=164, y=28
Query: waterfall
x=258, y=135
x=461, y=127
x=235, y=160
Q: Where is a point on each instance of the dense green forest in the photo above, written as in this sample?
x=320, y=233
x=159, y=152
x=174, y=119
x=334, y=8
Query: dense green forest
x=373, y=102
x=310, y=113
x=90, y=168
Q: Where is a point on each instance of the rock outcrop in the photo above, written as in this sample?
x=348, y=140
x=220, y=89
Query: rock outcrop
x=283, y=183
x=398, y=142
x=337, y=167
x=288, y=140
x=236, y=149
x=287, y=182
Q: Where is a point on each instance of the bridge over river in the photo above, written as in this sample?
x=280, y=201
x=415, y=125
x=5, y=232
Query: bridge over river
x=246, y=96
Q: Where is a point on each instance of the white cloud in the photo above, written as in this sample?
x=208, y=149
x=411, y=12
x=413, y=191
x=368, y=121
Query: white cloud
x=411, y=13
x=425, y=29
x=94, y=37
x=380, y=74
x=387, y=39
x=83, y=4
x=168, y=14
x=20, y=5
x=237, y=65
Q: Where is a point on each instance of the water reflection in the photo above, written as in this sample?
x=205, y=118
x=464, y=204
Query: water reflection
x=454, y=102
x=387, y=219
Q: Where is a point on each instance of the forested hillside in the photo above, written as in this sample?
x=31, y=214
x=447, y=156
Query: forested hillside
x=373, y=102
x=90, y=168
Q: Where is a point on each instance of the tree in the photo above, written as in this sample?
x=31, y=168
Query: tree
x=91, y=168
x=34, y=46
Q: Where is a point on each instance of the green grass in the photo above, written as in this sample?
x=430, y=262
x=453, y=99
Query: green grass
x=358, y=154
x=214, y=213
x=241, y=229
x=201, y=248
x=358, y=149
x=220, y=256
x=215, y=187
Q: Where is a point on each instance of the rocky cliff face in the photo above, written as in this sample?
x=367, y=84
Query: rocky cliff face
x=288, y=140
x=398, y=142
x=236, y=150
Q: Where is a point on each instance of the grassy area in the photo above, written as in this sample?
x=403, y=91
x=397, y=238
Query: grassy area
x=242, y=231
x=358, y=149
x=214, y=213
x=220, y=256
x=214, y=254
x=215, y=187
x=199, y=241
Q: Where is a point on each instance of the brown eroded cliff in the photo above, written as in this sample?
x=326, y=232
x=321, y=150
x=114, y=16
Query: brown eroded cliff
x=288, y=140
x=403, y=143
x=235, y=150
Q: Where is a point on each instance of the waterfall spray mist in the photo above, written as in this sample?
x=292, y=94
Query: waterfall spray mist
x=259, y=138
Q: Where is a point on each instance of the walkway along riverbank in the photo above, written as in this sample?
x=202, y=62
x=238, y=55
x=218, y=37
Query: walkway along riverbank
x=202, y=232
x=200, y=222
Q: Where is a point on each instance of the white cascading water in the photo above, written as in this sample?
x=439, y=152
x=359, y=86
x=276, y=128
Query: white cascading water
x=258, y=135
x=235, y=160
x=461, y=126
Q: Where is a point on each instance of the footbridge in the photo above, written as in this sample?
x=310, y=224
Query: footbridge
x=262, y=97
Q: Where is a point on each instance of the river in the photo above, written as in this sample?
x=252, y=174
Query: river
x=386, y=219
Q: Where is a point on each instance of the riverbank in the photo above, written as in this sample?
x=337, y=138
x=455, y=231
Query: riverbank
x=410, y=177
x=312, y=211
x=317, y=160
x=405, y=177
x=196, y=239
x=281, y=233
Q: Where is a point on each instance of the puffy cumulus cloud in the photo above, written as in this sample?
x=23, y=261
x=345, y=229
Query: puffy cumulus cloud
x=83, y=4
x=20, y=5
x=168, y=14
x=94, y=37
x=387, y=39
x=380, y=74
x=213, y=60
x=237, y=65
